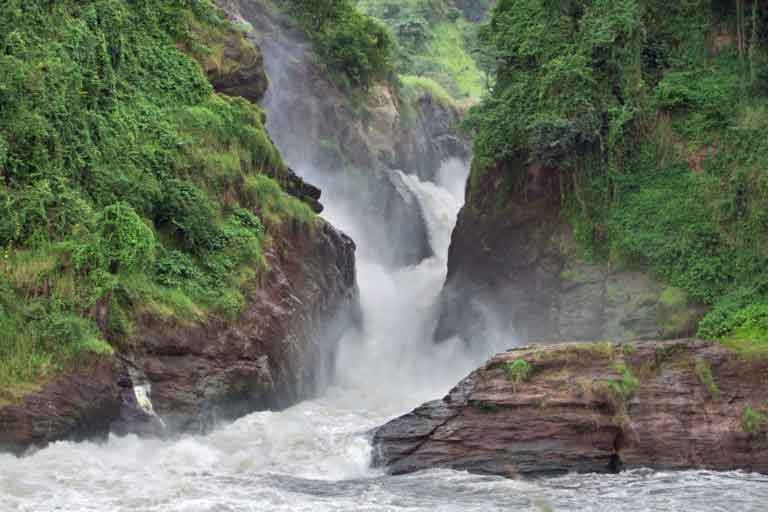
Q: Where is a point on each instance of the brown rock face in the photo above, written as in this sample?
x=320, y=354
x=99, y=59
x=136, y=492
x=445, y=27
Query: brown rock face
x=79, y=403
x=280, y=350
x=513, y=262
x=590, y=408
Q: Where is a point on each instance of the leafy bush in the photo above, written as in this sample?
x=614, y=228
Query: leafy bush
x=128, y=243
x=752, y=420
x=353, y=46
x=658, y=138
x=432, y=42
x=518, y=372
x=704, y=373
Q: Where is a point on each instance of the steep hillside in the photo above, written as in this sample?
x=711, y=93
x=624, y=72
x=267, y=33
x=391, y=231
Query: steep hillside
x=135, y=199
x=618, y=188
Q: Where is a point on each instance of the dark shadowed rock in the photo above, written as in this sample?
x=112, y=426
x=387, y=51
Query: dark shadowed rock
x=297, y=187
x=513, y=264
x=235, y=67
x=79, y=404
x=579, y=411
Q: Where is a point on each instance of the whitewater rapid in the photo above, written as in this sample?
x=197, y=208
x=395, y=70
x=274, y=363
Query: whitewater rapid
x=316, y=456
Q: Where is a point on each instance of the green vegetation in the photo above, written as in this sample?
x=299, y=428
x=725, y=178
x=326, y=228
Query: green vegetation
x=355, y=48
x=752, y=421
x=434, y=42
x=704, y=373
x=518, y=371
x=414, y=87
x=653, y=116
x=621, y=391
x=127, y=186
x=625, y=387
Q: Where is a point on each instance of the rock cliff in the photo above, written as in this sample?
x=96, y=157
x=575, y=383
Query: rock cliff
x=279, y=350
x=514, y=265
x=548, y=410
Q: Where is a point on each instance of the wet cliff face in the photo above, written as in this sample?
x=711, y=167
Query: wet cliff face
x=278, y=351
x=593, y=408
x=514, y=266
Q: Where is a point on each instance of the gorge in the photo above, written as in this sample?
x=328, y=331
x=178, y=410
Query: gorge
x=377, y=306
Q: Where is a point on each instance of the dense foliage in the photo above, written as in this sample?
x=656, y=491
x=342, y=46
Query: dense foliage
x=434, y=42
x=355, y=48
x=654, y=115
x=126, y=185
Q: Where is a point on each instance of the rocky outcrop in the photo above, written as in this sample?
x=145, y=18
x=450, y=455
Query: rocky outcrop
x=514, y=265
x=431, y=139
x=296, y=186
x=173, y=376
x=234, y=65
x=278, y=351
x=548, y=410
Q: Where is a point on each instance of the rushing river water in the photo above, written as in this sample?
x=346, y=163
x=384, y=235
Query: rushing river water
x=315, y=456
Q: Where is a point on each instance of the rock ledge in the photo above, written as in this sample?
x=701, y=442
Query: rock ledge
x=591, y=408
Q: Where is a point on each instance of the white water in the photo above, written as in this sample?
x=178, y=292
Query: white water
x=315, y=456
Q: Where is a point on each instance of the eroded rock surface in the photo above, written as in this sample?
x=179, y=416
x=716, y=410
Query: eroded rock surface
x=280, y=350
x=590, y=408
x=79, y=403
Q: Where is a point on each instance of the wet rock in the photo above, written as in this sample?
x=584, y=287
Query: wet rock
x=297, y=187
x=513, y=264
x=576, y=410
x=278, y=351
x=432, y=139
x=182, y=377
x=79, y=404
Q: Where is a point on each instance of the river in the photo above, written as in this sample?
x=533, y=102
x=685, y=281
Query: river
x=316, y=456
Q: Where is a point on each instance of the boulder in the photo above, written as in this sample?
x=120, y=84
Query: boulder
x=598, y=408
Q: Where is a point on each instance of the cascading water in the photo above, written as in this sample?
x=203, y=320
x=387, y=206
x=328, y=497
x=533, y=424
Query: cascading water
x=316, y=456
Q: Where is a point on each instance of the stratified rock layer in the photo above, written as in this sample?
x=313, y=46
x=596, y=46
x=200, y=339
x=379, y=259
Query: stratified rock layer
x=578, y=410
